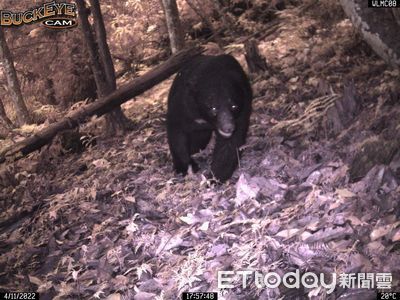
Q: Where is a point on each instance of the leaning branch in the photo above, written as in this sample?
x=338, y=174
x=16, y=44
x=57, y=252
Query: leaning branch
x=100, y=107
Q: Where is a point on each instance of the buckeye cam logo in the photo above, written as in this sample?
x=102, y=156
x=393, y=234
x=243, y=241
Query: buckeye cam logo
x=52, y=15
x=59, y=23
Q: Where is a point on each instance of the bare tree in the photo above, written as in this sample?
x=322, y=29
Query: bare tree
x=13, y=83
x=173, y=24
x=101, y=62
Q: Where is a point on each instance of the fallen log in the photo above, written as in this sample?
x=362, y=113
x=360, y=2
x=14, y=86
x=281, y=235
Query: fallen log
x=101, y=106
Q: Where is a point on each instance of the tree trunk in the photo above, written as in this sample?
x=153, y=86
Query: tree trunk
x=255, y=61
x=102, y=64
x=50, y=93
x=100, y=107
x=92, y=48
x=206, y=21
x=117, y=122
x=396, y=15
x=378, y=28
x=173, y=24
x=102, y=46
x=3, y=117
x=13, y=83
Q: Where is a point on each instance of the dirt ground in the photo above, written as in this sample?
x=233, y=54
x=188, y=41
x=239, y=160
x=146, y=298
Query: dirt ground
x=317, y=189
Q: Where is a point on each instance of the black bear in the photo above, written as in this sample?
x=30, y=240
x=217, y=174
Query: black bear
x=211, y=93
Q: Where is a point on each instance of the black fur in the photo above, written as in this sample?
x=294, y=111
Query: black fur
x=211, y=93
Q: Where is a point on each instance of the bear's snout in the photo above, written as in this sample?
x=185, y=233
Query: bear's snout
x=226, y=124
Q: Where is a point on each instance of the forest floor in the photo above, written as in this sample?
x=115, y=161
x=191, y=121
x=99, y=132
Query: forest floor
x=317, y=189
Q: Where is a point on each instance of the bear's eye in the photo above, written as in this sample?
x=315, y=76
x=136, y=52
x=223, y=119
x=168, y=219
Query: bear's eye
x=234, y=107
x=214, y=111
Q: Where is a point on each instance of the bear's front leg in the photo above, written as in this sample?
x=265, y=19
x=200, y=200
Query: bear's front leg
x=179, y=147
x=226, y=153
x=225, y=158
x=180, y=151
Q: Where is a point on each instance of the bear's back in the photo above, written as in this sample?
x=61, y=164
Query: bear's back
x=211, y=68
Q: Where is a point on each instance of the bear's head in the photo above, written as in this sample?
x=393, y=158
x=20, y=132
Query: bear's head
x=219, y=105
